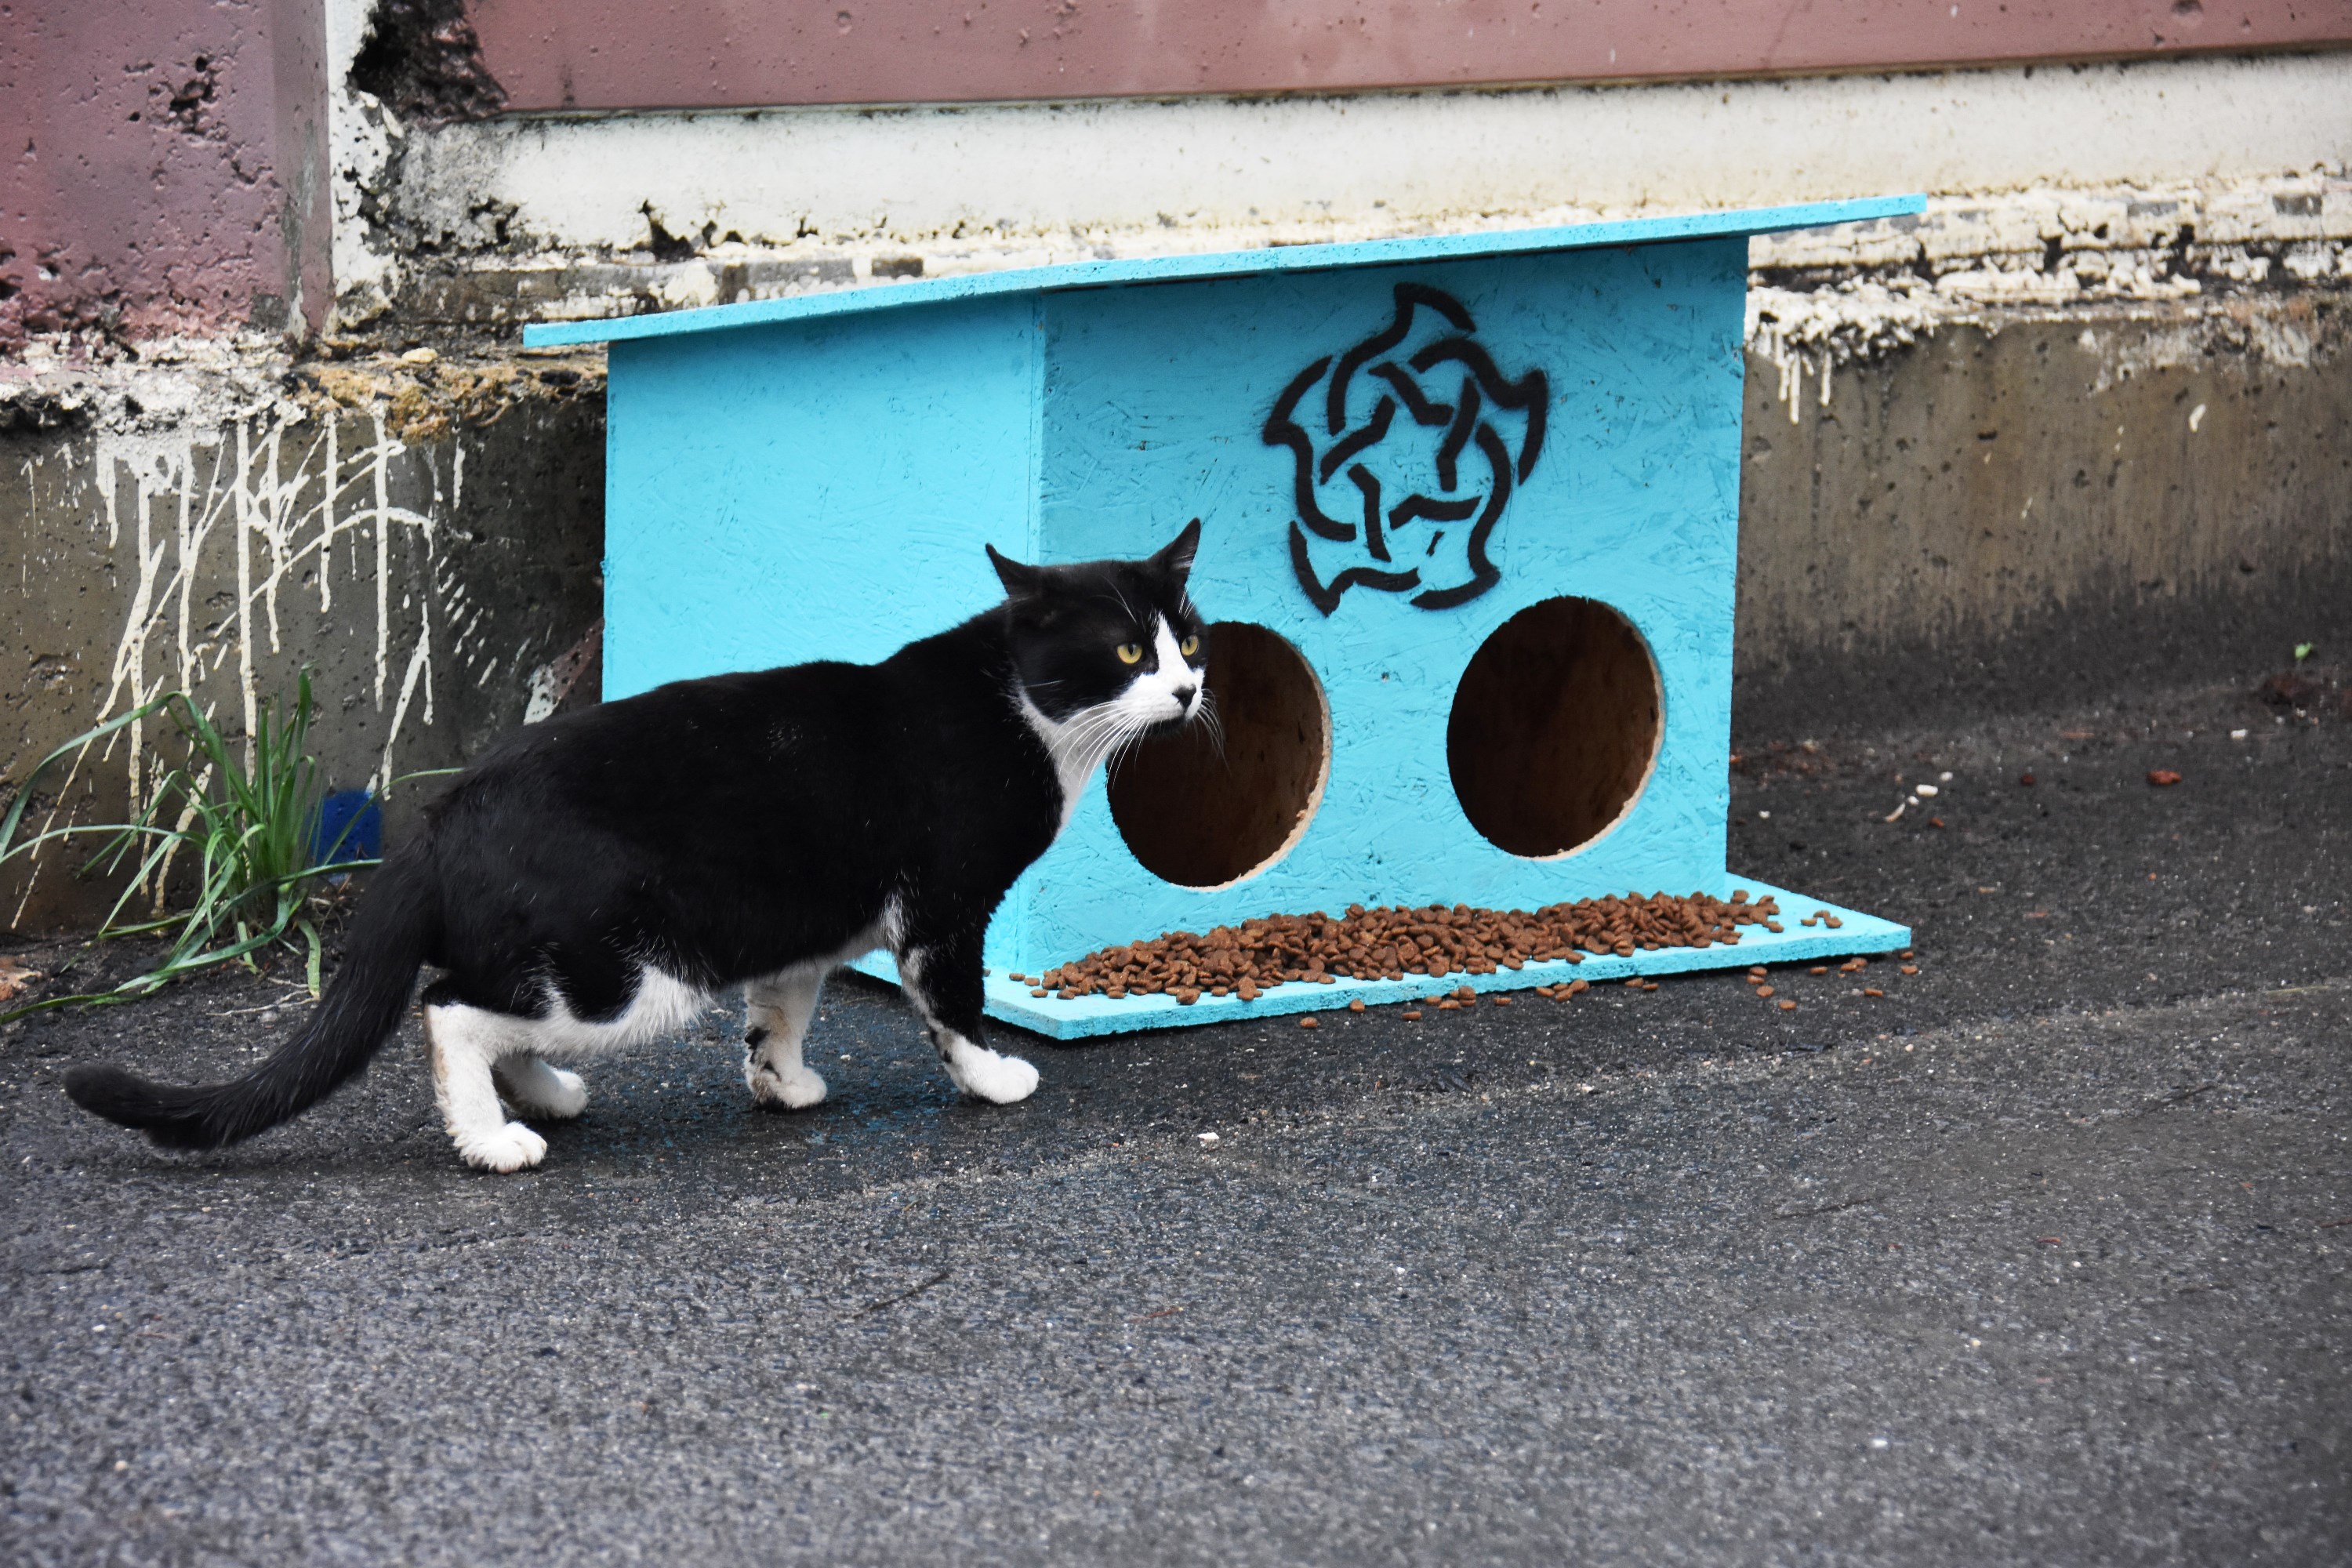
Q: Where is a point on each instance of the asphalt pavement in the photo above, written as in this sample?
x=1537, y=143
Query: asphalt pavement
x=2039, y=1257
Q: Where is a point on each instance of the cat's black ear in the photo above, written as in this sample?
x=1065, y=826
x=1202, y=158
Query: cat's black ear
x=1021, y=582
x=1175, y=562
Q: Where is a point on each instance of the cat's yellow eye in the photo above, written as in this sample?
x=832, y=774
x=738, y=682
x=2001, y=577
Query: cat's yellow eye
x=1130, y=653
x=1188, y=647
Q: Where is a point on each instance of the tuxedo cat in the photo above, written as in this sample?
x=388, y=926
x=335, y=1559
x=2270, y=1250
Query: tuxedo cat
x=592, y=881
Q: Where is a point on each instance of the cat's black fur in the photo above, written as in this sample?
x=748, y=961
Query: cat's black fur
x=719, y=830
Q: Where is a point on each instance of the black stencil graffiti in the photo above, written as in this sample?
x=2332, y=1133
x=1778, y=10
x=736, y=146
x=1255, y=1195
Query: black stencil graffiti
x=1416, y=440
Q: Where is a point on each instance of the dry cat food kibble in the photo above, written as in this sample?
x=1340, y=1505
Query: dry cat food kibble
x=1394, y=942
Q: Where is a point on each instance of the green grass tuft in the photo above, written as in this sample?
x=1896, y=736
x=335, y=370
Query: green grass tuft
x=241, y=837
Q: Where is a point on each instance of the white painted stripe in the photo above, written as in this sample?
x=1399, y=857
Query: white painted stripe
x=1022, y=183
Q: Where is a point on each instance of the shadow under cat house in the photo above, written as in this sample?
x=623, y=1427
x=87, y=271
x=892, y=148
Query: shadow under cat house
x=1469, y=509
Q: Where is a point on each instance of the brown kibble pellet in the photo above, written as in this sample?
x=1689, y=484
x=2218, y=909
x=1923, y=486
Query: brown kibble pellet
x=1634, y=983
x=1412, y=1014
x=1832, y=922
x=1649, y=985
x=1309, y=1021
x=1356, y=1006
x=1500, y=1001
x=1871, y=990
x=1449, y=1005
x=1765, y=991
x=1773, y=926
x=1910, y=969
x=1819, y=969
x=1038, y=991
x=1463, y=994
x=1806, y=921
x=1441, y=941
x=1787, y=1007
x=1577, y=985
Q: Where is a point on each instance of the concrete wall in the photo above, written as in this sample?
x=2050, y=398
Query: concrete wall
x=2046, y=509
x=426, y=538
x=166, y=168
x=681, y=54
x=497, y=221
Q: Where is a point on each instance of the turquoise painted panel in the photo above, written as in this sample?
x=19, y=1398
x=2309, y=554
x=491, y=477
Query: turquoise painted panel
x=814, y=489
x=1153, y=410
x=1231, y=264
x=1084, y=1017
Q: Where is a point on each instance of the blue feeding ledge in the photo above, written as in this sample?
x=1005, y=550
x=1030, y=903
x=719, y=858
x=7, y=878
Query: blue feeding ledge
x=1470, y=517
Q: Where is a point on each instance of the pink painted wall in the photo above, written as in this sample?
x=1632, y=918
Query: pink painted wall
x=142, y=182
x=643, y=53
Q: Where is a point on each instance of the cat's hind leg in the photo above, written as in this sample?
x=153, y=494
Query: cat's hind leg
x=943, y=981
x=776, y=1013
x=535, y=1086
x=464, y=1043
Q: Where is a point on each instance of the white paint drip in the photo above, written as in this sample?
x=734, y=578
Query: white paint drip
x=231, y=472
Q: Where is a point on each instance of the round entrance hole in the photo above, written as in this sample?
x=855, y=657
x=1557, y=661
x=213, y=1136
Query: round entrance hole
x=1555, y=727
x=1202, y=816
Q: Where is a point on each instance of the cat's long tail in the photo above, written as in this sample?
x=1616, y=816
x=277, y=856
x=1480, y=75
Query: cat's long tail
x=393, y=931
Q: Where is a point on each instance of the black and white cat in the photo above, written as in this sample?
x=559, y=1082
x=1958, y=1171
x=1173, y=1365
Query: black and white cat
x=593, y=881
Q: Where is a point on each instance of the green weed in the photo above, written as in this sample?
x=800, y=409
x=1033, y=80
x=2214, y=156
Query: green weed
x=236, y=825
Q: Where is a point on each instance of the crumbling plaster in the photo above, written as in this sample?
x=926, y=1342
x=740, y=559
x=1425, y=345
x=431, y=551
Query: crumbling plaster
x=602, y=214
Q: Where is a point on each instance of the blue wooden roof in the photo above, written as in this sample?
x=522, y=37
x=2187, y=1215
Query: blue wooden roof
x=1224, y=264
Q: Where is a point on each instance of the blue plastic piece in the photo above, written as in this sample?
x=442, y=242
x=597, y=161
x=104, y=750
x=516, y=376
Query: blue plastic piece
x=351, y=828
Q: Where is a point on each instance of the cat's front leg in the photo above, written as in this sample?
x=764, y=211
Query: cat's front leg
x=776, y=1013
x=943, y=979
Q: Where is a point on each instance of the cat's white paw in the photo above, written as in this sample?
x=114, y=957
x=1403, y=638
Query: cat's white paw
x=984, y=1075
x=786, y=1091
x=512, y=1147
x=553, y=1092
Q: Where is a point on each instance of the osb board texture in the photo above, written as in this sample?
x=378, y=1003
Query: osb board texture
x=1095, y=426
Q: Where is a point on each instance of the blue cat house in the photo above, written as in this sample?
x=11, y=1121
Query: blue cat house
x=1470, y=513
